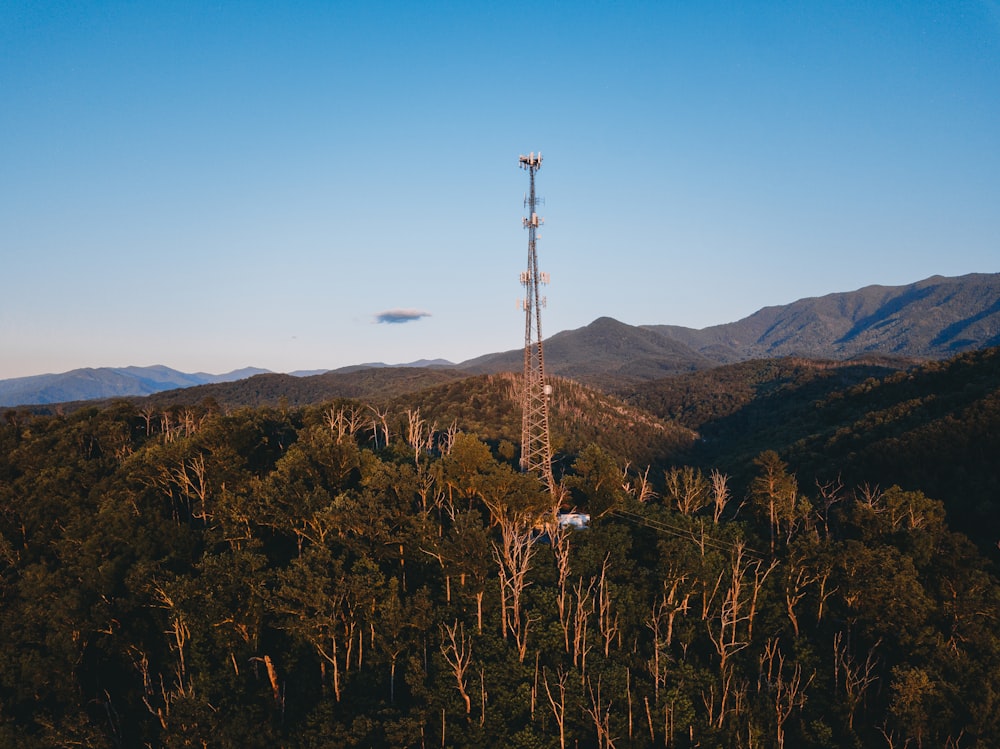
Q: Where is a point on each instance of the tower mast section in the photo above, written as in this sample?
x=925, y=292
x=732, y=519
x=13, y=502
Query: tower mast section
x=536, y=450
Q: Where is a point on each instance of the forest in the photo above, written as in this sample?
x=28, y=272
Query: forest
x=378, y=573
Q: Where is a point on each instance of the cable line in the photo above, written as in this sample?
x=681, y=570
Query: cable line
x=659, y=525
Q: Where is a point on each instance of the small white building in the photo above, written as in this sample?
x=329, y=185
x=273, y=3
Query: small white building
x=575, y=520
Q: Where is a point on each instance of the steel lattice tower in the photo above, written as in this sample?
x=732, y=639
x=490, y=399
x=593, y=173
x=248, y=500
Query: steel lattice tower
x=536, y=451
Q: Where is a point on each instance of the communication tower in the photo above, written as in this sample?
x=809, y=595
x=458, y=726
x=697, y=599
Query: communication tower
x=536, y=451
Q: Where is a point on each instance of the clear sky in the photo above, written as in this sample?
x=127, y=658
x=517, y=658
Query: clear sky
x=306, y=185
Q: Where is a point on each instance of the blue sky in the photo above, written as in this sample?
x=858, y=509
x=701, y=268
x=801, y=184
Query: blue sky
x=212, y=185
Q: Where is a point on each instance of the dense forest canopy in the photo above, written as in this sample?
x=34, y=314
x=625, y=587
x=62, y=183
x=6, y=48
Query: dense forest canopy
x=379, y=574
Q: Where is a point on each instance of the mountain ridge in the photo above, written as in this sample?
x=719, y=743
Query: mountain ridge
x=934, y=318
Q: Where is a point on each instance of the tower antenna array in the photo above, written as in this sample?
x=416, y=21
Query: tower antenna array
x=536, y=451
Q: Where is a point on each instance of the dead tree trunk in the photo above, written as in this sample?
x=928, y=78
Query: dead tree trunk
x=457, y=651
x=558, y=706
x=607, y=623
x=513, y=557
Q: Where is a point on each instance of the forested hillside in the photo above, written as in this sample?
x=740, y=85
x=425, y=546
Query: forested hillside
x=289, y=390
x=489, y=406
x=934, y=428
x=345, y=574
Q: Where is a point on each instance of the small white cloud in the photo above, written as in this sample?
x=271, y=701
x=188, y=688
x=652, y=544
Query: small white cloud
x=397, y=316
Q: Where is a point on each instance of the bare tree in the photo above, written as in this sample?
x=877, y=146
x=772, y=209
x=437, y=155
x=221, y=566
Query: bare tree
x=119, y=440
x=345, y=421
x=324, y=628
x=787, y=690
x=686, y=488
x=380, y=419
x=433, y=497
x=448, y=438
x=607, y=624
x=871, y=497
x=159, y=698
x=720, y=494
x=558, y=706
x=559, y=537
x=436, y=553
x=482, y=697
x=336, y=420
x=272, y=677
x=891, y=739
x=186, y=484
x=417, y=433
x=649, y=719
x=730, y=627
x=190, y=422
x=191, y=477
x=148, y=412
x=600, y=714
x=798, y=578
x=641, y=489
x=823, y=578
x=582, y=611
x=513, y=556
x=853, y=676
x=628, y=698
x=830, y=493
x=775, y=492
x=168, y=427
x=457, y=651
x=661, y=622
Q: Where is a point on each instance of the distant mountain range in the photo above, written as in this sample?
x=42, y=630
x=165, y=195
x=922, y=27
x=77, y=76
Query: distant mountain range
x=931, y=319
x=107, y=382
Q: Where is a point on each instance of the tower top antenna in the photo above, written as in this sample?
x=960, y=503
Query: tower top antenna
x=531, y=161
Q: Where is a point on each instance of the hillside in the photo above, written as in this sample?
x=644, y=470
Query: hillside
x=935, y=427
x=487, y=405
x=700, y=400
x=604, y=353
x=278, y=389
